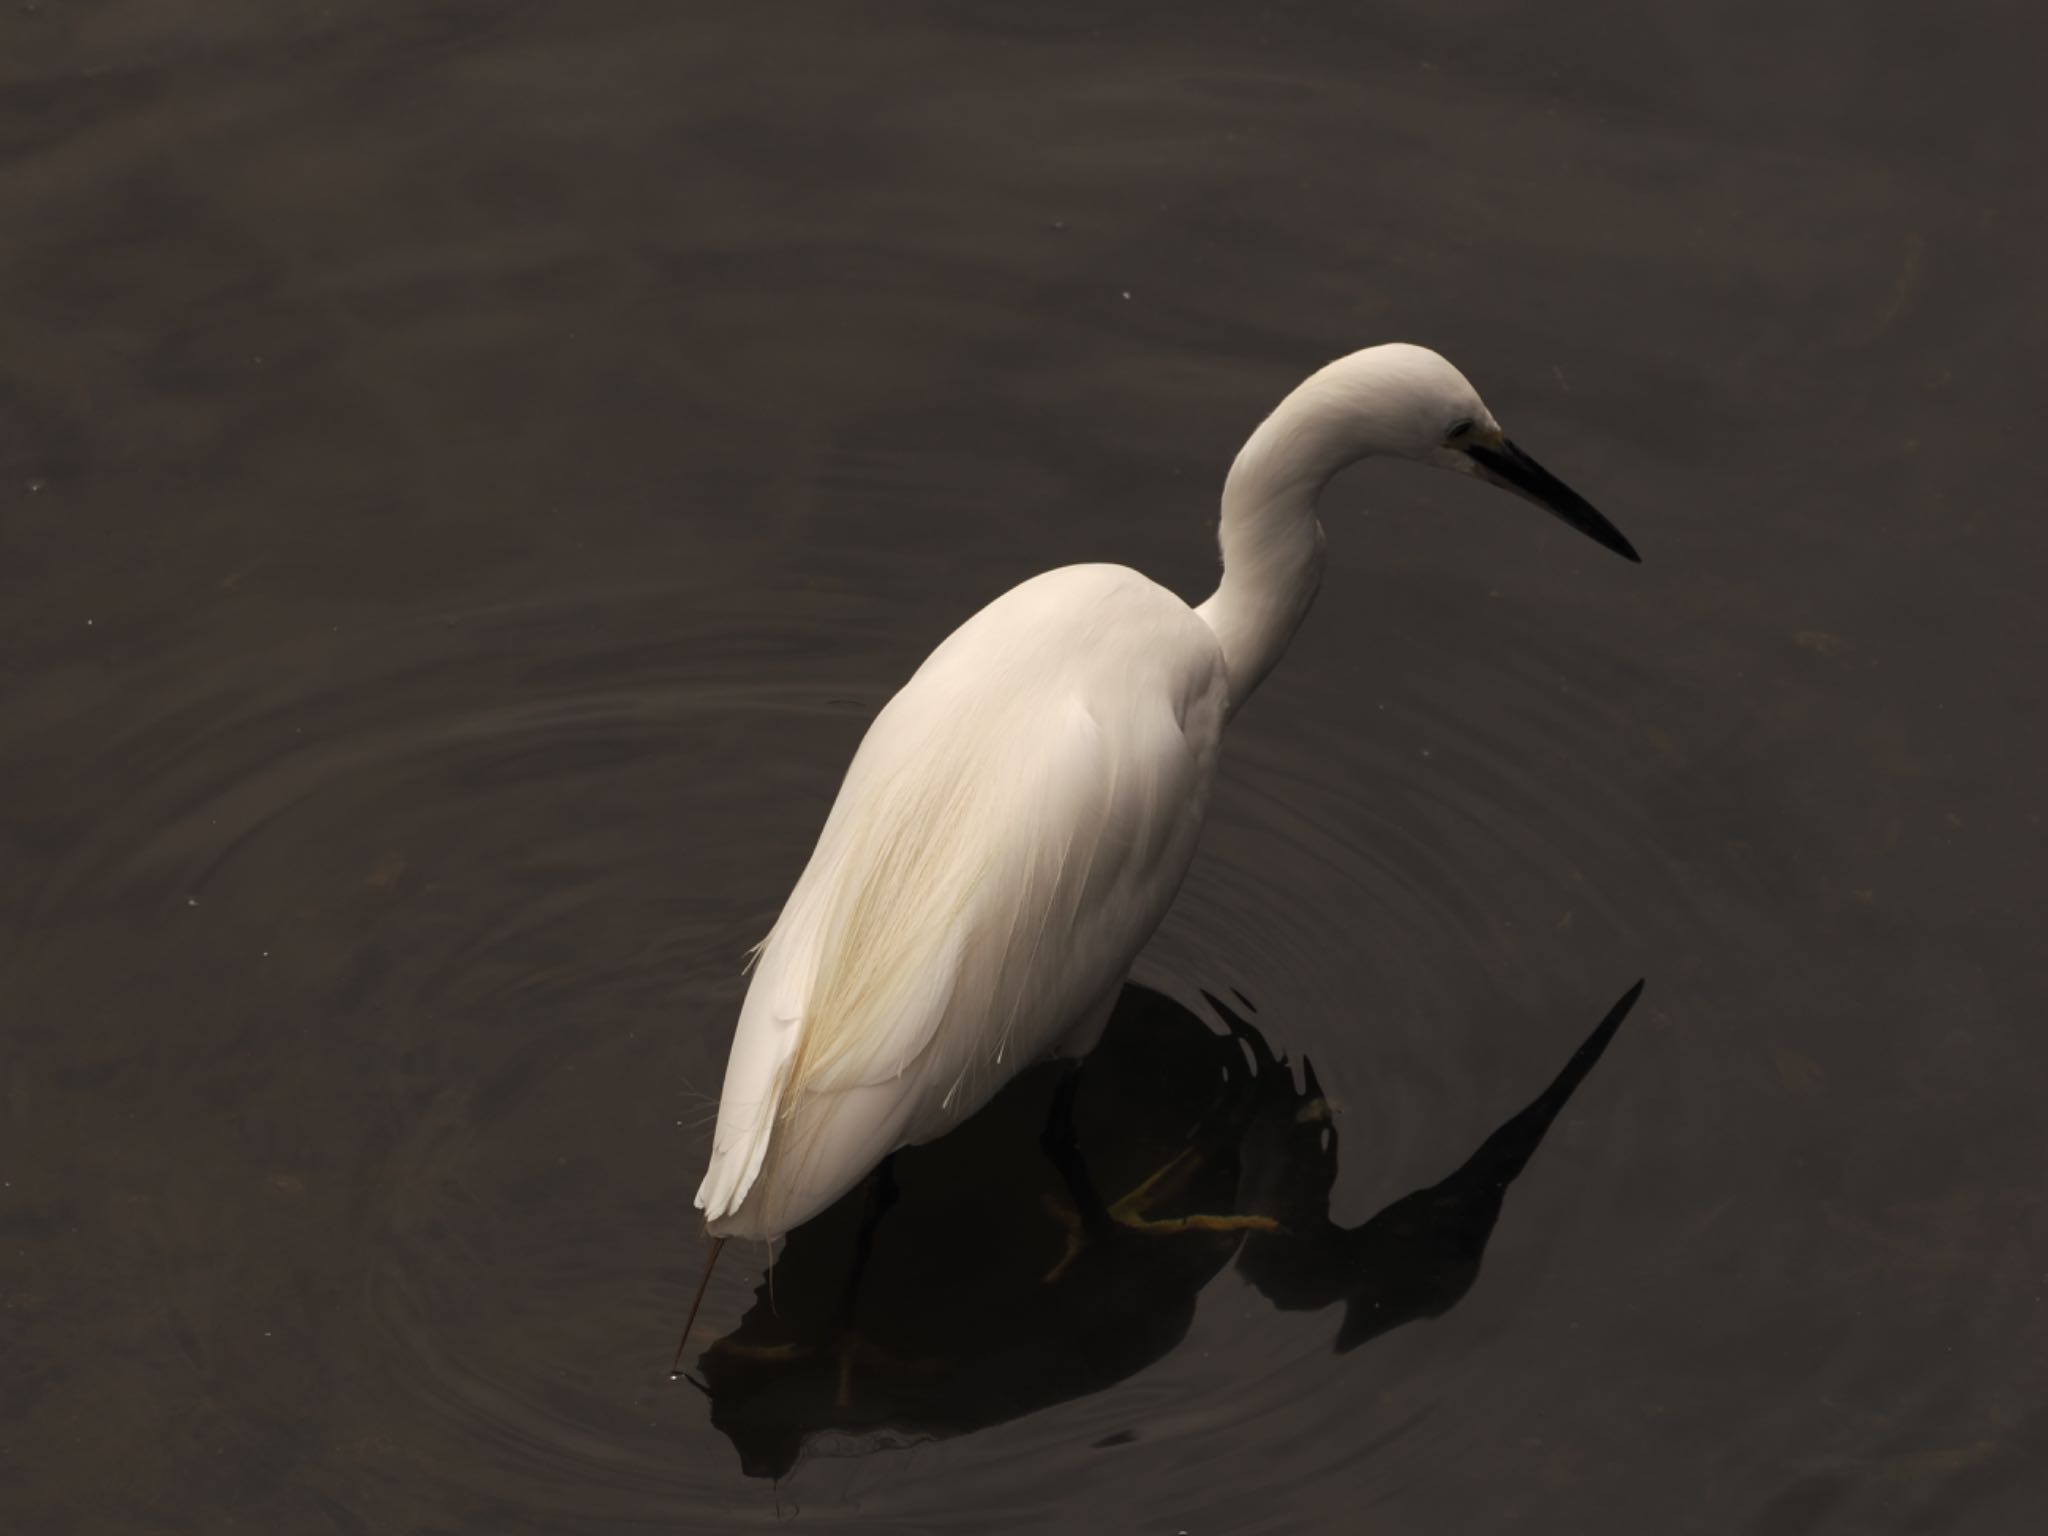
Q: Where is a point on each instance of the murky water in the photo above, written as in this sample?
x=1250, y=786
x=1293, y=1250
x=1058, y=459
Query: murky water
x=468, y=472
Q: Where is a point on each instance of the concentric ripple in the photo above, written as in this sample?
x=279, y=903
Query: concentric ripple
x=474, y=889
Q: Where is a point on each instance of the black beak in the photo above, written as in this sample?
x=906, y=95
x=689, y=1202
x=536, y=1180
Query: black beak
x=1513, y=469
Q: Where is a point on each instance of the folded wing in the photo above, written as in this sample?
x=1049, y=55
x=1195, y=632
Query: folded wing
x=1005, y=839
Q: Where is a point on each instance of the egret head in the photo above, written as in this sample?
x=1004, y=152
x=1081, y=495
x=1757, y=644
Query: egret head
x=1409, y=402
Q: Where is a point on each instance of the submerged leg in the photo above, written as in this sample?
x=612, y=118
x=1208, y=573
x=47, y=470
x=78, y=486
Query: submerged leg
x=1062, y=1144
x=882, y=1193
x=848, y=1344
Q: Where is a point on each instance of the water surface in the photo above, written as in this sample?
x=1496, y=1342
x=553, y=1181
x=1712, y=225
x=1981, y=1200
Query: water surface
x=469, y=472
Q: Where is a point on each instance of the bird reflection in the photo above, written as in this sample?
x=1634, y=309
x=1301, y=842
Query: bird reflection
x=1006, y=1277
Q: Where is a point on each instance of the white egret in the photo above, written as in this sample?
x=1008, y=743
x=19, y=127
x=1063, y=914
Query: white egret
x=1017, y=819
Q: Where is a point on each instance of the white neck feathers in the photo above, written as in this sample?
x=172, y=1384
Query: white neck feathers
x=1272, y=543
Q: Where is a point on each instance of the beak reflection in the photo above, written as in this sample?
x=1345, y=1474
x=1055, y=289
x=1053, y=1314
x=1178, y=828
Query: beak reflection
x=1008, y=1278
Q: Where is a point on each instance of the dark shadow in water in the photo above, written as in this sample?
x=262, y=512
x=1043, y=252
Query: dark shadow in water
x=983, y=1300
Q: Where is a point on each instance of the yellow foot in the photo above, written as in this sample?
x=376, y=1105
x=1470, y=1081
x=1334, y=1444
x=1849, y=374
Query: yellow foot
x=1128, y=1212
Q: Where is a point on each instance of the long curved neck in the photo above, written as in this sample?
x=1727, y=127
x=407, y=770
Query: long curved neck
x=1272, y=543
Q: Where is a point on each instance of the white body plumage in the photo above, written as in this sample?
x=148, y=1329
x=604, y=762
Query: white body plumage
x=1010, y=832
x=1019, y=816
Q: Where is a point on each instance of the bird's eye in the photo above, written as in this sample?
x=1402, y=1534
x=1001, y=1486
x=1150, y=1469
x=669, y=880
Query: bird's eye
x=1459, y=430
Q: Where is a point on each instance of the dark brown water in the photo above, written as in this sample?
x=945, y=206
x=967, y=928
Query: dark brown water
x=469, y=471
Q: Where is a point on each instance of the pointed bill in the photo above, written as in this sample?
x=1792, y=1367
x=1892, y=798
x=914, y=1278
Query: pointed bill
x=1507, y=466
